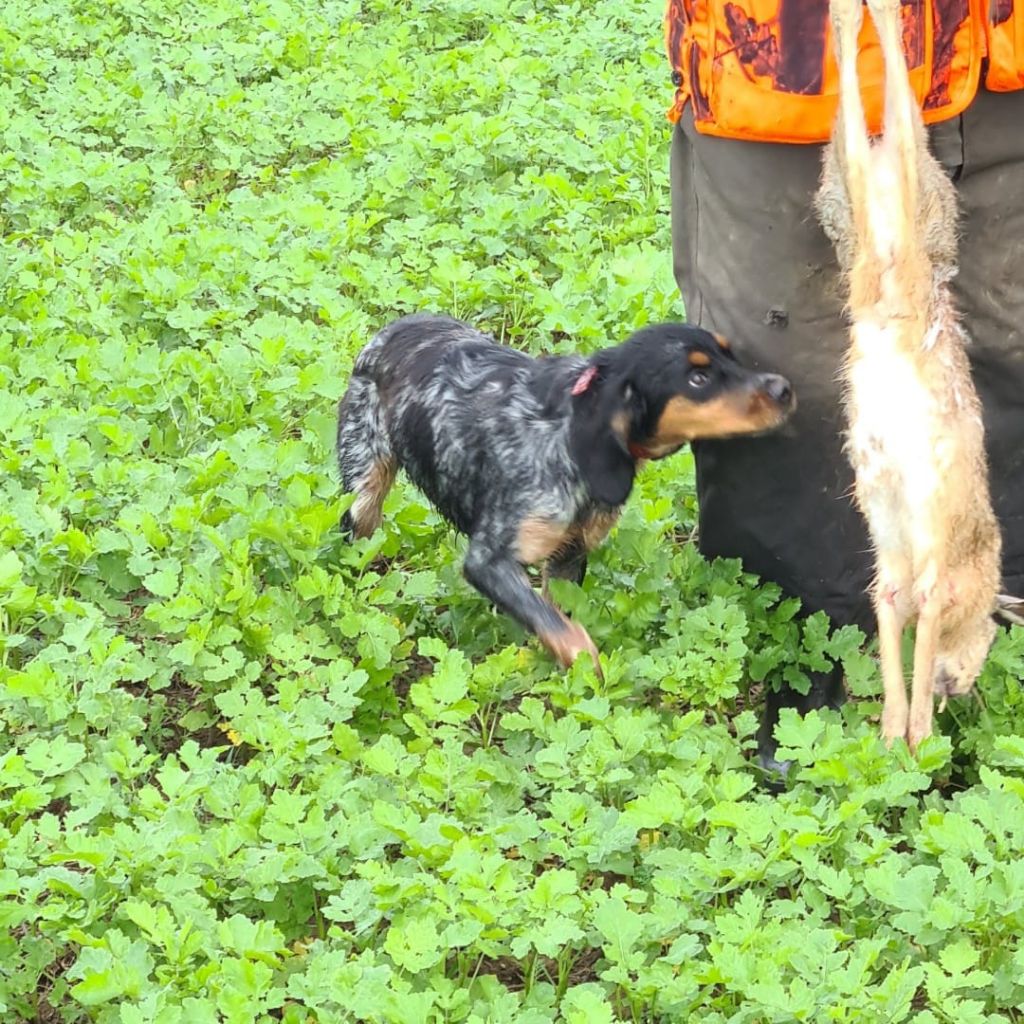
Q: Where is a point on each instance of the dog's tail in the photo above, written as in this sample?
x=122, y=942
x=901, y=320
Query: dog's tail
x=365, y=458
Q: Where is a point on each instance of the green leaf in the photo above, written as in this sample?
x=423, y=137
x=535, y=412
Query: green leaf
x=959, y=957
x=10, y=571
x=162, y=583
x=98, y=988
x=620, y=927
x=586, y=1004
x=53, y=757
x=414, y=945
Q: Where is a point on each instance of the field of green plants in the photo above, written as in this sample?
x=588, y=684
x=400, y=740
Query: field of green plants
x=249, y=773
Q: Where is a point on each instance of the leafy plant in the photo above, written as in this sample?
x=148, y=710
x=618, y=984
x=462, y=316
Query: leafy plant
x=251, y=773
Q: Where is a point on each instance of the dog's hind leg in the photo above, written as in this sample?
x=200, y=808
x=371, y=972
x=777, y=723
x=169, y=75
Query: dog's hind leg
x=365, y=458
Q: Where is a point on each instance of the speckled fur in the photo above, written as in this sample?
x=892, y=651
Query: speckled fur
x=916, y=439
x=530, y=471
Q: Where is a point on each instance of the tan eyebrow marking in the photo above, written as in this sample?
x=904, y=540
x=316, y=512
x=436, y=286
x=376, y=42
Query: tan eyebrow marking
x=698, y=358
x=723, y=343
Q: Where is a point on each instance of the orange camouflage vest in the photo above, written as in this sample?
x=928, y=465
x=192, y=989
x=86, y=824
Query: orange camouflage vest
x=765, y=69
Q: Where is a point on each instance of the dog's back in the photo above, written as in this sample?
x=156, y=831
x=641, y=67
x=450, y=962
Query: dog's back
x=916, y=439
x=456, y=411
x=412, y=348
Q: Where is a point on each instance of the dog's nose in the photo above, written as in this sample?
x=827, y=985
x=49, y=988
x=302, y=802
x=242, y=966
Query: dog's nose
x=777, y=388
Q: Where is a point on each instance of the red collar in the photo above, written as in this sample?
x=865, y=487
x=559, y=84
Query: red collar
x=639, y=452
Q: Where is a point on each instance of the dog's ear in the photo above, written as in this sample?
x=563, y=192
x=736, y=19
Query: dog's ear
x=604, y=410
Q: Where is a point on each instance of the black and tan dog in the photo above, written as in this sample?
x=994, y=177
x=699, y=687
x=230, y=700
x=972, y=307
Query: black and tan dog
x=533, y=458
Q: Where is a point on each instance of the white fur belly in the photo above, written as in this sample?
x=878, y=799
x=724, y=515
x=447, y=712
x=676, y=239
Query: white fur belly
x=891, y=441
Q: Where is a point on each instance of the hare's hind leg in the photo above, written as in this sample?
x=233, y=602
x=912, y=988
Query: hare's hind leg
x=902, y=113
x=850, y=141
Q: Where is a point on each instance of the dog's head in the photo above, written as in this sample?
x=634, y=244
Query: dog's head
x=668, y=384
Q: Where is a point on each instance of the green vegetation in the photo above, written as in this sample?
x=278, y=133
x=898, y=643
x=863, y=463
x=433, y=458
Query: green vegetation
x=248, y=773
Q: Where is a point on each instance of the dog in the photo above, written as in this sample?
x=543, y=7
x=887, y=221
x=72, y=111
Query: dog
x=531, y=458
x=915, y=434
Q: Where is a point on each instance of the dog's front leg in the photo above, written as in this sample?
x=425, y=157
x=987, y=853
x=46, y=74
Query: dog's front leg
x=498, y=576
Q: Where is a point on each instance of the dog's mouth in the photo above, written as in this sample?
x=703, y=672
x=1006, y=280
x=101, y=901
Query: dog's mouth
x=770, y=406
x=759, y=412
x=776, y=413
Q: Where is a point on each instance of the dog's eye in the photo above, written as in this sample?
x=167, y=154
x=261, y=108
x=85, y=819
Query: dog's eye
x=697, y=378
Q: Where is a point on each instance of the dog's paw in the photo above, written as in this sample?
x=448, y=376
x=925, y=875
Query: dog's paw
x=568, y=643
